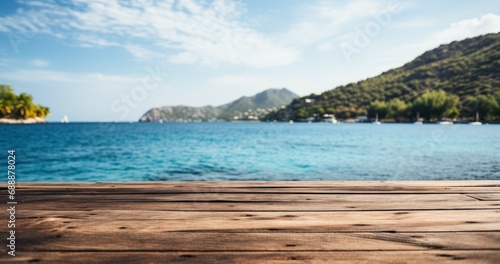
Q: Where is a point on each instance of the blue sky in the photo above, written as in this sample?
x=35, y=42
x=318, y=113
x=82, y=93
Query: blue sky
x=113, y=60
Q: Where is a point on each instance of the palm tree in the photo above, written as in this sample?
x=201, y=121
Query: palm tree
x=42, y=111
x=6, y=107
x=24, y=106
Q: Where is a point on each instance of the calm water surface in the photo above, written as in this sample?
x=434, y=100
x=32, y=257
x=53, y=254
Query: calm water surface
x=251, y=151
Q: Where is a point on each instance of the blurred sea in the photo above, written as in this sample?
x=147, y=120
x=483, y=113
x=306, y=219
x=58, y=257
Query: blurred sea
x=251, y=151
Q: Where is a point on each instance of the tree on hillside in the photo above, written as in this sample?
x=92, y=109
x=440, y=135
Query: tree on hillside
x=496, y=110
x=436, y=104
x=484, y=105
x=378, y=107
x=397, y=109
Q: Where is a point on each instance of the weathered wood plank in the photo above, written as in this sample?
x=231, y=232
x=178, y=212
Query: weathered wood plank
x=255, y=207
x=223, y=203
x=126, y=240
x=169, y=221
x=248, y=197
x=339, y=190
x=261, y=187
x=485, y=196
x=417, y=257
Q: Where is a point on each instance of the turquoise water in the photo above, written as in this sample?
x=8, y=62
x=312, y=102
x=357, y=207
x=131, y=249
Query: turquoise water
x=251, y=151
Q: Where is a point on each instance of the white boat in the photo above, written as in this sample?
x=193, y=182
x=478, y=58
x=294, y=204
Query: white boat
x=334, y=120
x=290, y=122
x=477, y=123
x=376, y=120
x=331, y=120
x=65, y=119
x=418, y=119
x=445, y=123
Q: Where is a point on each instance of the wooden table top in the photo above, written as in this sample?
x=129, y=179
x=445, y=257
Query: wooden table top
x=256, y=222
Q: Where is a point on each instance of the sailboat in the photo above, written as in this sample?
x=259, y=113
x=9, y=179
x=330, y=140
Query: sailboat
x=418, y=119
x=376, y=120
x=477, y=123
x=65, y=119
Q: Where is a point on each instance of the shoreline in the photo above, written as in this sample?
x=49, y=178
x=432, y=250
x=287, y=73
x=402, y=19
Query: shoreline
x=31, y=120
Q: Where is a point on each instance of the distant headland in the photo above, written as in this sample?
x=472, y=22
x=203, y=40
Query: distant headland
x=246, y=108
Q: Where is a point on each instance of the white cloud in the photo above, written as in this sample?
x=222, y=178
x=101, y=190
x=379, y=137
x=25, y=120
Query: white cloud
x=209, y=33
x=86, y=40
x=467, y=28
x=415, y=23
x=39, y=63
x=193, y=31
x=324, y=20
x=184, y=58
x=140, y=52
x=42, y=76
x=489, y=23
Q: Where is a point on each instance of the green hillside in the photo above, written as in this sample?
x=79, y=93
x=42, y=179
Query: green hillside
x=467, y=69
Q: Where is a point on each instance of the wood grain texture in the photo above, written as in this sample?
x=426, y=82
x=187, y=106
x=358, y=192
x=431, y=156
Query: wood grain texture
x=257, y=222
x=368, y=257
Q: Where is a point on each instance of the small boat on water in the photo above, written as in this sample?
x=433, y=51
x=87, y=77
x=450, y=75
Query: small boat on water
x=290, y=122
x=445, y=123
x=476, y=123
x=376, y=120
x=331, y=120
x=418, y=119
x=65, y=119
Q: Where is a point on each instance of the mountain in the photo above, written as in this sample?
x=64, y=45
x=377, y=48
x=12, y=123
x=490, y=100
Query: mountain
x=178, y=113
x=464, y=68
x=266, y=100
x=245, y=108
